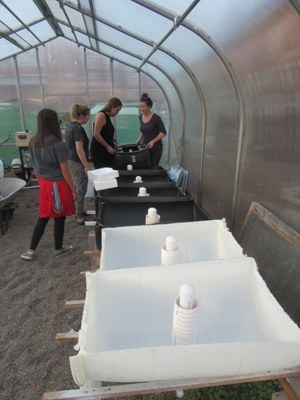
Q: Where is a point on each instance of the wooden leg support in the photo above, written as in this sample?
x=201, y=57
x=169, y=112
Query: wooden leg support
x=74, y=304
x=67, y=337
x=288, y=389
x=138, y=389
x=93, y=252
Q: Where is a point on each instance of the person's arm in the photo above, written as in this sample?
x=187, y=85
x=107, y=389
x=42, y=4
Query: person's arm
x=138, y=141
x=68, y=177
x=99, y=123
x=82, y=156
x=160, y=136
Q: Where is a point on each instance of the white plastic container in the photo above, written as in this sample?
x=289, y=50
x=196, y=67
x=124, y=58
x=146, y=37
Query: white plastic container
x=126, y=327
x=106, y=184
x=140, y=246
x=102, y=174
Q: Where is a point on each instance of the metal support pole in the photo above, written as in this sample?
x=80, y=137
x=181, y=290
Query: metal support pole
x=22, y=114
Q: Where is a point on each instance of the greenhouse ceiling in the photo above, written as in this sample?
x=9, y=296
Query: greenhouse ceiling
x=128, y=31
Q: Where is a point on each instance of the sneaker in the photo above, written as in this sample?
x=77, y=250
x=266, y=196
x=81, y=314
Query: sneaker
x=28, y=256
x=63, y=251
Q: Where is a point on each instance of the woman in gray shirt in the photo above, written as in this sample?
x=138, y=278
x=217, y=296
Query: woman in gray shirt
x=152, y=129
x=57, y=192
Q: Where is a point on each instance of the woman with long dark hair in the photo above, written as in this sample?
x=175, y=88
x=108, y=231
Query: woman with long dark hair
x=103, y=142
x=57, y=192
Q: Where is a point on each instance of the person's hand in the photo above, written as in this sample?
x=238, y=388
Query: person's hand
x=110, y=150
x=74, y=194
x=151, y=144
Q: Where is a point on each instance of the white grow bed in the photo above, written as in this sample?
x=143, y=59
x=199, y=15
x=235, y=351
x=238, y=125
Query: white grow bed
x=140, y=246
x=126, y=327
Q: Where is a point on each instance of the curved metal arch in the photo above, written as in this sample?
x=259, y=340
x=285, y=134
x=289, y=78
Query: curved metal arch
x=202, y=102
x=194, y=80
x=241, y=102
x=147, y=42
x=169, y=107
x=136, y=68
x=237, y=87
x=170, y=54
x=296, y=5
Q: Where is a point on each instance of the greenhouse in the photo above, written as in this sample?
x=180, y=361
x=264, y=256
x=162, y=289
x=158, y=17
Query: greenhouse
x=224, y=77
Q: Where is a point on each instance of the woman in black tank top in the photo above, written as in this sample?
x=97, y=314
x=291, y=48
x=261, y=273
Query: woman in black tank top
x=102, y=145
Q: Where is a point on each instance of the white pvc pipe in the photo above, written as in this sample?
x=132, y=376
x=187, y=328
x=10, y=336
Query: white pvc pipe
x=152, y=217
x=138, y=179
x=169, y=251
x=143, y=192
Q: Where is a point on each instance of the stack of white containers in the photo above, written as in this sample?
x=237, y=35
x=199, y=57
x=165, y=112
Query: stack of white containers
x=103, y=178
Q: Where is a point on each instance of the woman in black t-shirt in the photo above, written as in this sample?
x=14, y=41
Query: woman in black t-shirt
x=152, y=129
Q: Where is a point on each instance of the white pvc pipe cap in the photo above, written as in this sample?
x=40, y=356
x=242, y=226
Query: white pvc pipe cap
x=171, y=243
x=187, y=296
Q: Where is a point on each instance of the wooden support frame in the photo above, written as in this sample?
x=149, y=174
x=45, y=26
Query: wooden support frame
x=136, y=389
x=74, y=303
x=93, y=252
x=275, y=246
x=278, y=226
x=288, y=389
x=68, y=337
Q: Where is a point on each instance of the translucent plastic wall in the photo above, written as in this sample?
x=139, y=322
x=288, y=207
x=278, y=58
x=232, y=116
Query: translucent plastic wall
x=9, y=109
x=251, y=80
x=245, y=59
x=60, y=74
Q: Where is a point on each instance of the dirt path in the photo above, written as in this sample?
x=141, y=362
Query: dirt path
x=32, y=312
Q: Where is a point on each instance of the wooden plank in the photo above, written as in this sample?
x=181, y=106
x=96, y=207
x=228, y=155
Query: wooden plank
x=288, y=389
x=135, y=389
x=95, y=260
x=74, y=304
x=278, y=226
x=67, y=337
x=275, y=246
x=91, y=253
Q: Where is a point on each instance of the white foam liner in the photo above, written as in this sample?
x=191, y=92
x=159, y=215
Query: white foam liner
x=126, y=328
x=140, y=246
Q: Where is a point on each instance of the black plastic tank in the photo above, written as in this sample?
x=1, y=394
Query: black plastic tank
x=136, y=155
x=114, y=211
